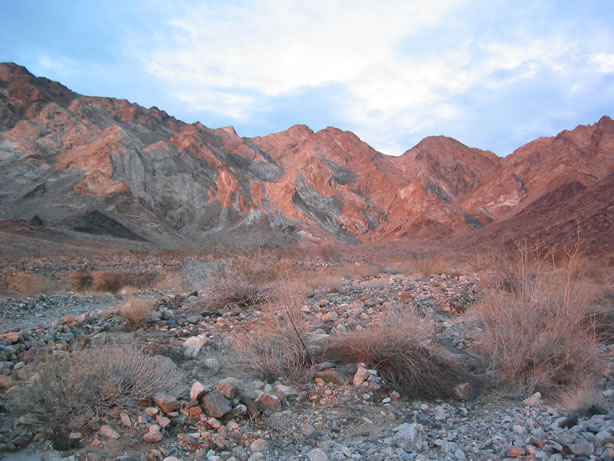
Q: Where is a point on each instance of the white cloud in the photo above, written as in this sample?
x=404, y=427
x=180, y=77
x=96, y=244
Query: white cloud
x=232, y=59
x=603, y=62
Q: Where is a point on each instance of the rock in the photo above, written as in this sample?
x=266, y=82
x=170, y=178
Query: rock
x=408, y=436
x=125, y=418
x=5, y=382
x=603, y=437
x=108, y=432
x=162, y=421
x=258, y=445
x=212, y=365
x=286, y=391
x=193, y=345
x=582, y=448
x=153, y=436
x=331, y=376
x=317, y=455
x=462, y=391
x=360, y=376
x=215, y=404
x=229, y=387
x=569, y=422
x=266, y=401
x=533, y=401
x=166, y=402
x=516, y=451
x=196, y=390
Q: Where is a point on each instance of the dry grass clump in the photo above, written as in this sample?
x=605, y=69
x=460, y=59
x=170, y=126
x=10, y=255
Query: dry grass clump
x=30, y=284
x=135, y=312
x=398, y=350
x=422, y=265
x=537, y=331
x=581, y=397
x=243, y=281
x=360, y=270
x=72, y=389
x=275, y=346
x=113, y=282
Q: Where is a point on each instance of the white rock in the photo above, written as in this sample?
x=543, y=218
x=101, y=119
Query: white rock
x=317, y=455
x=193, y=344
x=197, y=388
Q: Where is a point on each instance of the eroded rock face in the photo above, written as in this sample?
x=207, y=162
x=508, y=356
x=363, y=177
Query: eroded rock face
x=72, y=160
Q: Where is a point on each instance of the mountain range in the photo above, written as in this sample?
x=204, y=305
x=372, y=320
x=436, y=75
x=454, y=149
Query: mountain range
x=104, y=168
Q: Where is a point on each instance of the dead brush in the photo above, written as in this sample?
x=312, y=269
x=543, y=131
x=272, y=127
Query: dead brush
x=537, y=332
x=99, y=382
x=243, y=281
x=275, y=345
x=135, y=312
x=398, y=350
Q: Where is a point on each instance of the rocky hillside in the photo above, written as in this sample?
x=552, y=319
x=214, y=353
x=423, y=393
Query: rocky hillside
x=101, y=166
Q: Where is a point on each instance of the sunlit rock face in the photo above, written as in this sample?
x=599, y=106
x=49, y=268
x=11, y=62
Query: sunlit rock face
x=68, y=159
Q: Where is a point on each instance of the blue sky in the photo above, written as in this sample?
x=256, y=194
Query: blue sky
x=492, y=74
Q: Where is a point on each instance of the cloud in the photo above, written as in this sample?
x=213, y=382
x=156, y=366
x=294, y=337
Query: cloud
x=238, y=58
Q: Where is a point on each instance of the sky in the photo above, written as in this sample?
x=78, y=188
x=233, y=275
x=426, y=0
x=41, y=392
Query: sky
x=493, y=74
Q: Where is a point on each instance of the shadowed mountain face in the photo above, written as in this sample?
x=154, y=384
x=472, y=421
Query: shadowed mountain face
x=108, y=167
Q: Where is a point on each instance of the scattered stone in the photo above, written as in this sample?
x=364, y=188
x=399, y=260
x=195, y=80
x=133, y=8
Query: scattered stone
x=331, y=376
x=462, y=391
x=215, y=404
x=533, y=401
x=196, y=390
x=212, y=365
x=266, y=401
x=166, y=402
x=108, y=432
x=317, y=455
x=193, y=345
x=229, y=387
x=153, y=435
x=408, y=436
x=258, y=445
x=360, y=376
x=517, y=452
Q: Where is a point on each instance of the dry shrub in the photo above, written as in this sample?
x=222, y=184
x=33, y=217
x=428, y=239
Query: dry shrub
x=275, y=346
x=29, y=284
x=537, y=331
x=360, y=270
x=113, y=282
x=398, y=350
x=97, y=382
x=135, y=312
x=82, y=280
x=424, y=265
x=243, y=281
x=581, y=396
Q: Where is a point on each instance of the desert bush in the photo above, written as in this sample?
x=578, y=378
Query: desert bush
x=275, y=346
x=82, y=280
x=360, y=270
x=31, y=284
x=581, y=396
x=398, y=349
x=97, y=382
x=244, y=281
x=422, y=265
x=113, y=282
x=537, y=331
x=135, y=312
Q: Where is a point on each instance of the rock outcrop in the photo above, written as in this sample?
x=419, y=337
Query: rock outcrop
x=95, y=166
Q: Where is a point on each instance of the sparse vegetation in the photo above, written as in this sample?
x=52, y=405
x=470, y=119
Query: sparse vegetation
x=537, y=331
x=397, y=349
x=71, y=389
x=275, y=346
x=135, y=312
x=244, y=281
